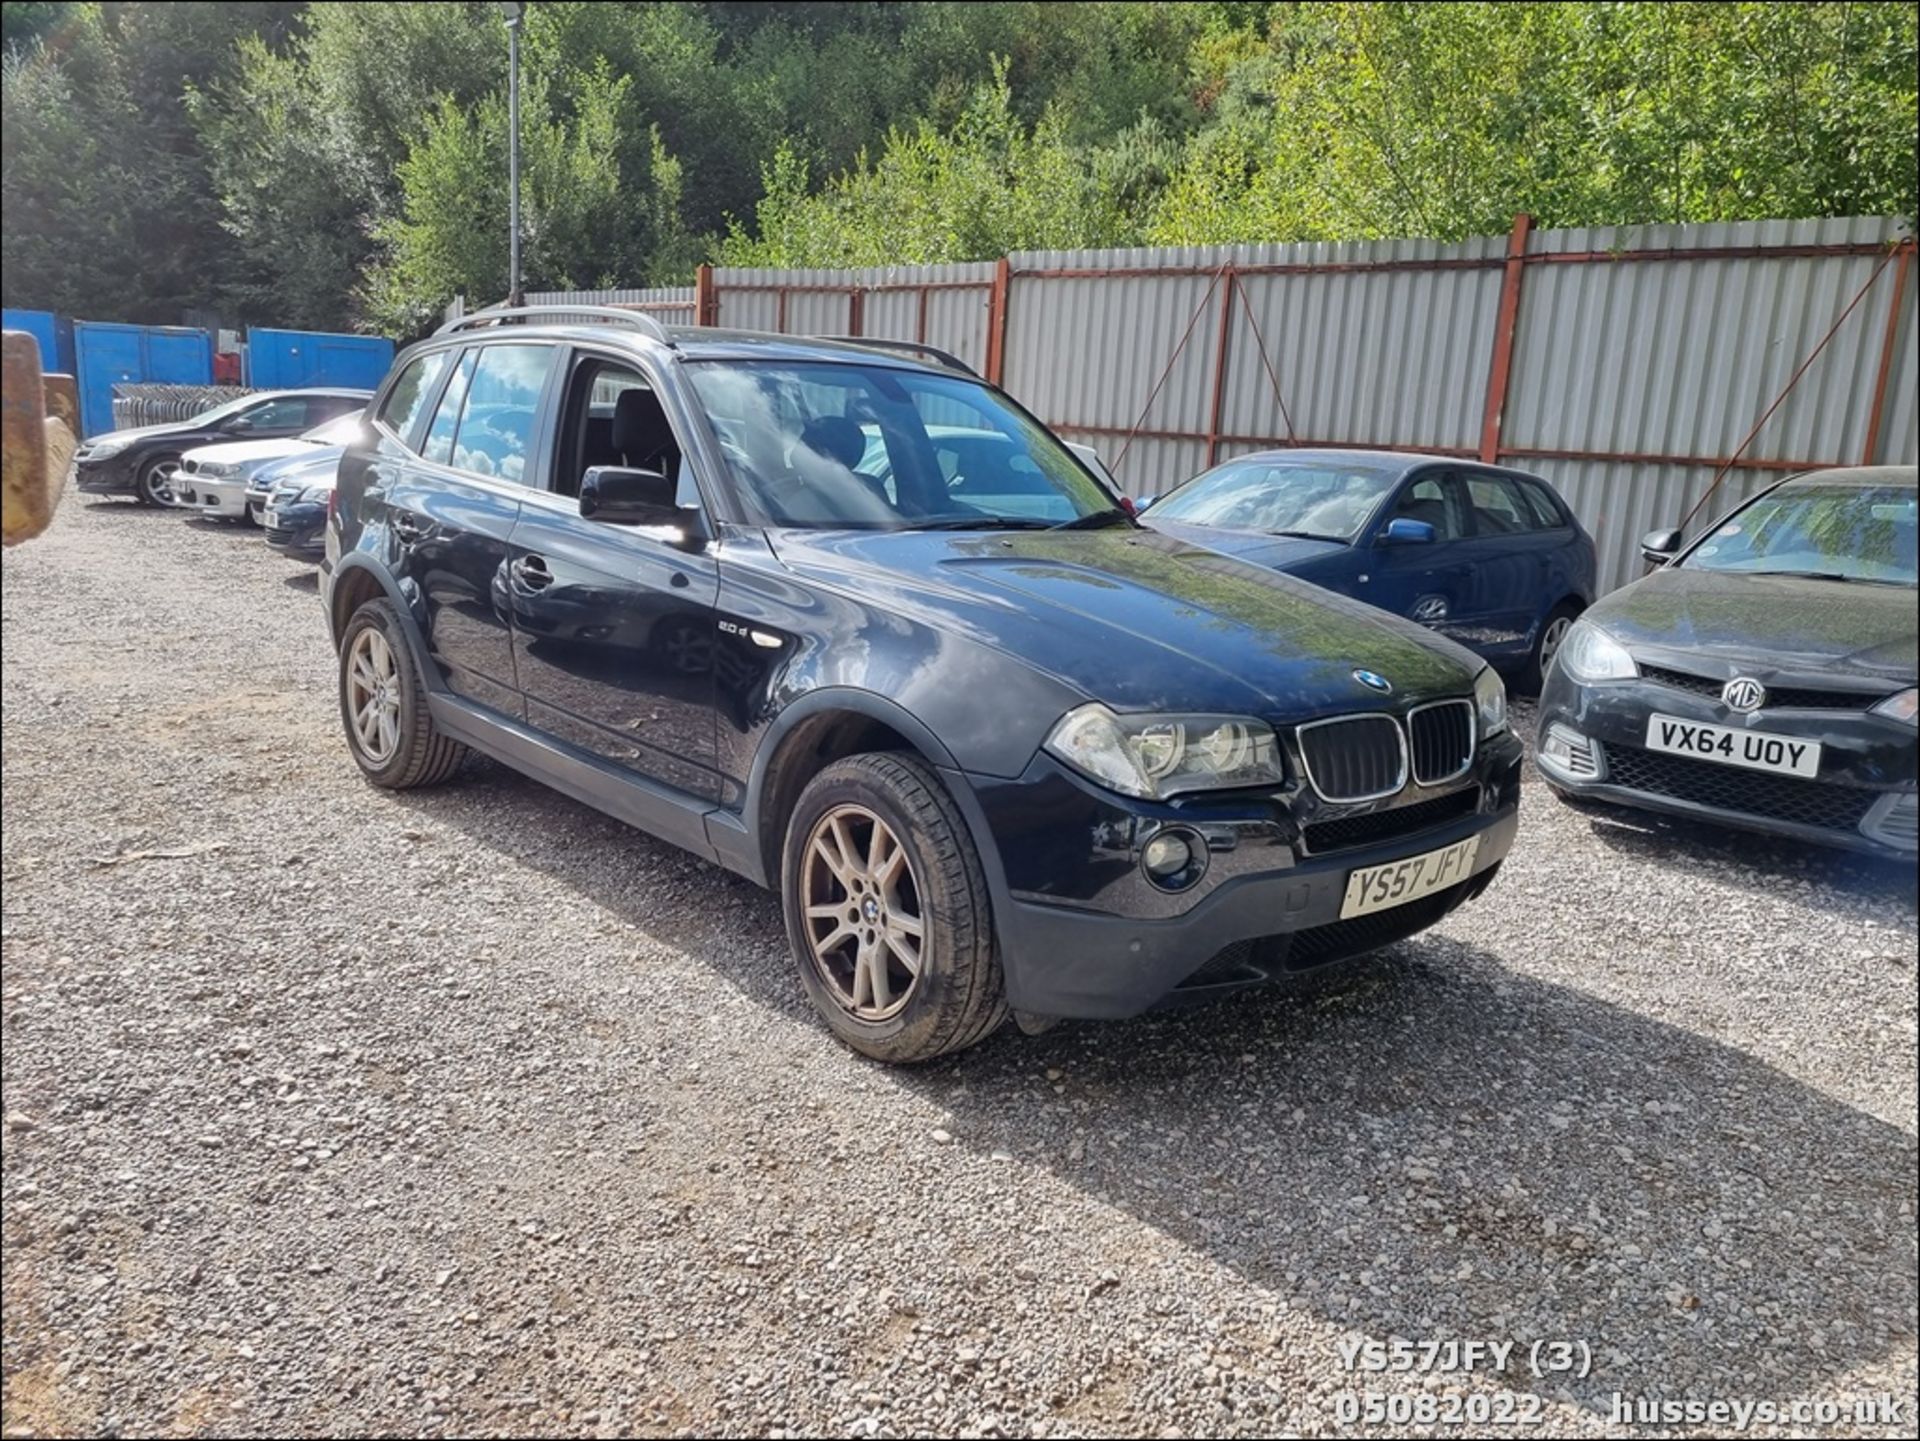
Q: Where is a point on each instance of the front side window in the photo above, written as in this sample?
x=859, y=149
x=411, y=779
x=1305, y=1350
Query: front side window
x=1834, y=532
x=834, y=445
x=284, y=412
x=1435, y=500
x=1317, y=499
x=401, y=408
x=495, y=427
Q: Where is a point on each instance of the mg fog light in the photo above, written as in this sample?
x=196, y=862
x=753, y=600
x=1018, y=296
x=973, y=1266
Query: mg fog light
x=1174, y=859
x=1571, y=751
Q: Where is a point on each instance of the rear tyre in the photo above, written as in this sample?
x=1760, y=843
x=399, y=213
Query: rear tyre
x=1546, y=645
x=154, y=484
x=383, y=705
x=887, y=911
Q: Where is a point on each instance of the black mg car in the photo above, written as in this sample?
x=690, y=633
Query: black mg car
x=1763, y=677
x=999, y=748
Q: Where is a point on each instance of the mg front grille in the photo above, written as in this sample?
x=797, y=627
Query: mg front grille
x=1729, y=788
x=1778, y=698
x=1441, y=740
x=1354, y=758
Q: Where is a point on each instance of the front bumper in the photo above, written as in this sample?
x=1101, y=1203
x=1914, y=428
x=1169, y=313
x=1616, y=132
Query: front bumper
x=299, y=529
x=113, y=476
x=1592, y=749
x=224, y=498
x=1082, y=933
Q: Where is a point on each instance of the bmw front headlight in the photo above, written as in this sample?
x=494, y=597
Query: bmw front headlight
x=1490, y=702
x=1155, y=756
x=1589, y=653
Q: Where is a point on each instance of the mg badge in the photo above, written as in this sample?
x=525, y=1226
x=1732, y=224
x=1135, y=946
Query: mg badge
x=1373, y=681
x=1744, y=694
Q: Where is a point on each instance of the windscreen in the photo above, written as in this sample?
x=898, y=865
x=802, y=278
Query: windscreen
x=1282, y=497
x=1842, y=532
x=833, y=446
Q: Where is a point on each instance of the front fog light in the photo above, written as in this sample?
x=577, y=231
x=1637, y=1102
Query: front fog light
x=1174, y=859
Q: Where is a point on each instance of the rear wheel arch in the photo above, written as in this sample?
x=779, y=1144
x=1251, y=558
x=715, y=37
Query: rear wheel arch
x=358, y=581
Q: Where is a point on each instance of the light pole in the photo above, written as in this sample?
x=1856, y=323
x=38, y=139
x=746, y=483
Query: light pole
x=514, y=11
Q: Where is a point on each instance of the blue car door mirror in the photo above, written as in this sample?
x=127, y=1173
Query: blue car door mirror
x=1403, y=531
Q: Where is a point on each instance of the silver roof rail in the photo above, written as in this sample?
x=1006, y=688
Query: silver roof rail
x=611, y=314
x=909, y=347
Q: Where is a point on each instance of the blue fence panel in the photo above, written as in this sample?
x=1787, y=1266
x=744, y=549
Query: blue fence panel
x=107, y=354
x=54, y=335
x=287, y=359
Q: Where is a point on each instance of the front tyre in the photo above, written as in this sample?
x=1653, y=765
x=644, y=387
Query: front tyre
x=1546, y=645
x=383, y=705
x=887, y=911
x=154, y=484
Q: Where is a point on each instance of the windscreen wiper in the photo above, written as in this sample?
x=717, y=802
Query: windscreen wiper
x=978, y=522
x=1099, y=520
x=1307, y=535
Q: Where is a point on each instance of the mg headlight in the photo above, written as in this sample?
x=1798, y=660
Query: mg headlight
x=1155, y=756
x=1589, y=653
x=1904, y=707
x=1490, y=700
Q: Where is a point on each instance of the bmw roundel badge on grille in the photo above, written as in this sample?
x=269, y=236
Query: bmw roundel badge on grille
x=1373, y=680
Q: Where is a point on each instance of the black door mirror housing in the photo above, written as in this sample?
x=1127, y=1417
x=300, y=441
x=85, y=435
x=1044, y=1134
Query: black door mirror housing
x=237, y=425
x=1404, y=530
x=617, y=495
x=1657, y=547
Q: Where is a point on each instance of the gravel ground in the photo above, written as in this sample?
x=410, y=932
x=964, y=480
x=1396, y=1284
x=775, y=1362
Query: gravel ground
x=329, y=1110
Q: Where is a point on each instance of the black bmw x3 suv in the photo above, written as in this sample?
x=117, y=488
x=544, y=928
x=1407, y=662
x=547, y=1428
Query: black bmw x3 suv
x=1001, y=749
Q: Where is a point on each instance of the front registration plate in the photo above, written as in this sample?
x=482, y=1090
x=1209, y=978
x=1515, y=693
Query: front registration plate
x=1380, y=888
x=1754, y=750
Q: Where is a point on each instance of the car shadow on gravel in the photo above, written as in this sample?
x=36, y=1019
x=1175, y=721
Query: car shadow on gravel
x=1448, y=1148
x=1754, y=862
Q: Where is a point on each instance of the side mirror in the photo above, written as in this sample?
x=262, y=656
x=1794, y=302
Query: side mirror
x=615, y=495
x=1657, y=547
x=1142, y=502
x=1402, y=530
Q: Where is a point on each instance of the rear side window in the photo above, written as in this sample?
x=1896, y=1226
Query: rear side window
x=402, y=406
x=438, y=445
x=1498, y=508
x=496, y=423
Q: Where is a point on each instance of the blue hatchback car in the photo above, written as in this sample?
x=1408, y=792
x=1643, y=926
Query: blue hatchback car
x=1489, y=557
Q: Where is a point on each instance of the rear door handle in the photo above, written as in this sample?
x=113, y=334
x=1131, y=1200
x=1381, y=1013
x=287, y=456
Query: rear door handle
x=531, y=572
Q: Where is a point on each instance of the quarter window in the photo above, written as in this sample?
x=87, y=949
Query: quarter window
x=402, y=406
x=1545, y=509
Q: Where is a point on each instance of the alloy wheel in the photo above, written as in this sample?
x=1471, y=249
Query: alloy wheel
x=1551, y=639
x=865, y=927
x=157, y=481
x=373, y=695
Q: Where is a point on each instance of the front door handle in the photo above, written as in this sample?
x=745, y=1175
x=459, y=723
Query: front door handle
x=530, y=573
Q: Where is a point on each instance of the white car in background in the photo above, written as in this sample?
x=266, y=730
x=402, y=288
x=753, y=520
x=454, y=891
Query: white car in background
x=215, y=481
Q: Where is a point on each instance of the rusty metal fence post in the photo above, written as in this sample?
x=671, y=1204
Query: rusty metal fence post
x=1504, y=326
x=997, y=322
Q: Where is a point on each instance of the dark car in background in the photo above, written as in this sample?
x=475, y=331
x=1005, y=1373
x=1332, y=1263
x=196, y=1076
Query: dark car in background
x=1002, y=750
x=293, y=499
x=142, y=462
x=1762, y=678
x=1487, y=556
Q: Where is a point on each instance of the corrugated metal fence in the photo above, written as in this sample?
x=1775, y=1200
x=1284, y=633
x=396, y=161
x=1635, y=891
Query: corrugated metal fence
x=158, y=404
x=1632, y=366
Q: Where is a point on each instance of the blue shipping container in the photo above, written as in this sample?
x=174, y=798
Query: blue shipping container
x=106, y=355
x=54, y=335
x=289, y=359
